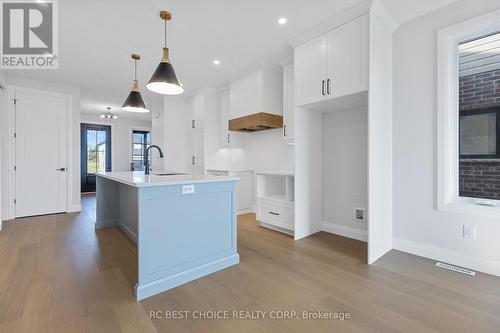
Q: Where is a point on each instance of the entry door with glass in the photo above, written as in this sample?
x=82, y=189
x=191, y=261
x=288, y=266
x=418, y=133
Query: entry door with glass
x=95, y=153
x=140, y=142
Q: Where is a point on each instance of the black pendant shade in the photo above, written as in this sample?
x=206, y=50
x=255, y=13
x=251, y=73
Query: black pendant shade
x=164, y=81
x=134, y=101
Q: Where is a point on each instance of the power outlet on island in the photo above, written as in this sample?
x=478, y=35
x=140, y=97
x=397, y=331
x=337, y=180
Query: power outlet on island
x=187, y=189
x=469, y=232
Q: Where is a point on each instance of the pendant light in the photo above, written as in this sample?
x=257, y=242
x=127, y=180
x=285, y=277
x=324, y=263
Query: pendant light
x=134, y=102
x=108, y=114
x=164, y=81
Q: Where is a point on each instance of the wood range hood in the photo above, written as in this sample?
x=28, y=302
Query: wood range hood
x=256, y=122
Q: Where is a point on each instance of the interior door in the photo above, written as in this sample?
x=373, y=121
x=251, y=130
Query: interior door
x=95, y=154
x=40, y=154
x=347, y=58
x=310, y=68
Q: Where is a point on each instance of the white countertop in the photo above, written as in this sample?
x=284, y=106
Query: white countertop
x=139, y=179
x=275, y=173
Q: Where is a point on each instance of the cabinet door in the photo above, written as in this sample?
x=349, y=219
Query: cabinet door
x=199, y=150
x=310, y=70
x=195, y=112
x=190, y=150
x=228, y=139
x=347, y=58
x=288, y=103
x=244, y=189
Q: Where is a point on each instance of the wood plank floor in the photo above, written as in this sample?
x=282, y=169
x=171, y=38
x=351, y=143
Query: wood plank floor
x=58, y=274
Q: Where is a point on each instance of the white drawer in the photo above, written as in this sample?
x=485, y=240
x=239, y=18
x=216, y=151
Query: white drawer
x=275, y=213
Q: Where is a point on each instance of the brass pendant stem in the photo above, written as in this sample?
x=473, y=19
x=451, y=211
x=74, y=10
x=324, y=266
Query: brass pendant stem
x=135, y=86
x=165, y=55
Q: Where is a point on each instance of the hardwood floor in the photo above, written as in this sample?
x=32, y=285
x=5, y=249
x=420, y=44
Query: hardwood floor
x=58, y=274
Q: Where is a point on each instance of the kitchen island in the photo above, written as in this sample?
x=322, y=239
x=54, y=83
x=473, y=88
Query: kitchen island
x=184, y=225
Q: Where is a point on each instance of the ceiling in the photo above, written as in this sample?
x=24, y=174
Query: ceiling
x=97, y=38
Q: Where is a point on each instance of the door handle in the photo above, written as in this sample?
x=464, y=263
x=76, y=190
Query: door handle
x=61, y=169
x=193, y=123
x=228, y=138
x=323, y=87
x=284, y=130
x=328, y=86
x=192, y=160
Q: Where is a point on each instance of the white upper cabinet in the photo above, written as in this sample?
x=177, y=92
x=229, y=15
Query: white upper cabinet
x=196, y=107
x=310, y=69
x=333, y=64
x=288, y=104
x=347, y=58
x=228, y=139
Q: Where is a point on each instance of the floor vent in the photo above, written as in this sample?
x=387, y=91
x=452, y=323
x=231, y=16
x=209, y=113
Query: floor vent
x=456, y=268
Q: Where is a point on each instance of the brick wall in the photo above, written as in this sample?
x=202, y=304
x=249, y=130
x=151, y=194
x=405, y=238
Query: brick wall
x=479, y=90
x=479, y=178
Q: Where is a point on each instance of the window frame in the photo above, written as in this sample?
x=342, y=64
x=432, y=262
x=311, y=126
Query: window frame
x=448, y=39
x=480, y=111
x=144, y=131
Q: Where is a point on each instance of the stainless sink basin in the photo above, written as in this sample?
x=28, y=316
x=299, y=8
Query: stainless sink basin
x=168, y=173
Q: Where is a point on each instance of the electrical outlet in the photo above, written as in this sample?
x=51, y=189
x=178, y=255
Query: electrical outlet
x=469, y=232
x=187, y=189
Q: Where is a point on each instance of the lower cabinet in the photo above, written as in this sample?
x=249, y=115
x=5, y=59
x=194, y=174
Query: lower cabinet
x=276, y=214
x=244, y=187
x=275, y=201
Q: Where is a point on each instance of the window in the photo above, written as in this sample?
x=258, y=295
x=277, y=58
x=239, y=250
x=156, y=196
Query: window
x=140, y=142
x=479, y=117
x=468, y=114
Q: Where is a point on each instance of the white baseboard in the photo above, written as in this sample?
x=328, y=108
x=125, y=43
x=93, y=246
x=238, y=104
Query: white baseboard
x=448, y=256
x=74, y=209
x=346, y=231
x=128, y=232
x=245, y=211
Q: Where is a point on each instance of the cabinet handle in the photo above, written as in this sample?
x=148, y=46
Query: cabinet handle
x=192, y=160
x=228, y=138
x=323, y=87
x=61, y=169
x=193, y=124
x=328, y=86
x=284, y=130
x=273, y=213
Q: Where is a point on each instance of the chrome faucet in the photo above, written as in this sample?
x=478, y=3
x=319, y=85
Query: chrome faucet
x=146, y=157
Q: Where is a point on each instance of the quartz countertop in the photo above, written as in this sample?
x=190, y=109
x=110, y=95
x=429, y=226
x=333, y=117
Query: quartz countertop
x=139, y=179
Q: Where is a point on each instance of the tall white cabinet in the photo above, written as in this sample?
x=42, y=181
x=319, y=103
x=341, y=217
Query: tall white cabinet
x=346, y=66
x=195, y=142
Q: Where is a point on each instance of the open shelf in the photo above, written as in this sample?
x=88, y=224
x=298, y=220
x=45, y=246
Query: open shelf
x=275, y=186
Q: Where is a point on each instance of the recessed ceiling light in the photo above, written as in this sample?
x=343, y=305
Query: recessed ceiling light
x=282, y=20
x=216, y=62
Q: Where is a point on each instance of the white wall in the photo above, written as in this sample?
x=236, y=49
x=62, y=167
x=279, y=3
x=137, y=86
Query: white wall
x=121, y=137
x=418, y=226
x=344, y=166
x=75, y=146
x=267, y=151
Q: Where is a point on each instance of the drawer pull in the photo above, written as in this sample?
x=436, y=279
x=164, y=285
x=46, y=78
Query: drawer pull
x=273, y=213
